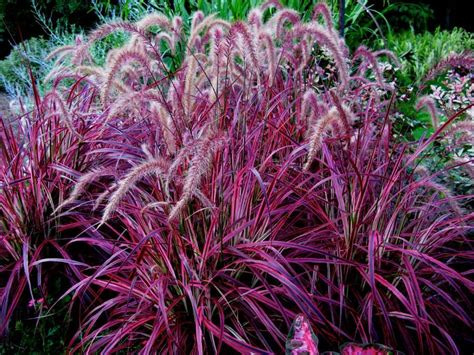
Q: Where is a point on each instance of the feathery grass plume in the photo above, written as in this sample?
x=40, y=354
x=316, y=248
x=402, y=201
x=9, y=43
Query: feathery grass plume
x=198, y=17
x=266, y=41
x=128, y=99
x=54, y=98
x=356, y=237
x=329, y=121
x=269, y=4
x=189, y=82
x=93, y=75
x=345, y=115
x=103, y=196
x=325, y=38
x=167, y=38
x=176, y=30
x=255, y=19
x=303, y=48
x=388, y=54
x=322, y=9
x=81, y=184
x=199, y=166
x=120, y=60
x=60, y=52
x=178, y=162
x=82, y=52
x=59, y=71
x=363, y=53
x=241, y=30
x=281, y=17
x=463, y=60
x=166, y=125
x=155, y=19
x=64, y=51
x=156, y=166
x=146, y=151
x=216, y=55
x=312, y=105
x=98, y=72
x=206, y=24
x=429, y=103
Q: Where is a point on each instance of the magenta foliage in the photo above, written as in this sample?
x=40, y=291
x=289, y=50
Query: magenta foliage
x=35, y=150
x=212, y=227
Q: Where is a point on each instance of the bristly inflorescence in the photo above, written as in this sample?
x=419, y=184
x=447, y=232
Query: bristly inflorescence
x=251, y=56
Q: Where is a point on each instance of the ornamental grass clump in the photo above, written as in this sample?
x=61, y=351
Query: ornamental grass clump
x=224, y=198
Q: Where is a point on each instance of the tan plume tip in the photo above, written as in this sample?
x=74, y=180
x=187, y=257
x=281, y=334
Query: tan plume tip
x=81, y=184
x=331, y=121
x=122, y=58
x=54, y=97
x=429, y=103
x=154, y=19
x=267, y=42
x=156, y=166
x=199, y=166
x=322, y=9
x=329, y=40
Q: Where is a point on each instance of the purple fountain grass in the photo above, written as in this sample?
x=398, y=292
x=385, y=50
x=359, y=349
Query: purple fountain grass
x=245, y=213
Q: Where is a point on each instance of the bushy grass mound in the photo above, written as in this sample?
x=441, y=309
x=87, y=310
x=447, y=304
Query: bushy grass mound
x=198, y=206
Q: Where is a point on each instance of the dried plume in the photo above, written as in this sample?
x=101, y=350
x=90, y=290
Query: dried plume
x=199, y=166
x=121, y=59
x=330, y=121
x=326, y=38
x=363, y=53
x=463, y=60
x=429, y=103
x=82, y=183
x=54, y=98
x=155, y=19
x=156, y=166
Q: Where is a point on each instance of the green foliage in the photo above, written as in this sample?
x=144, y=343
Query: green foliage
x=14, y=73
x=405, y=15
x=37, y=331
x=420, y=52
